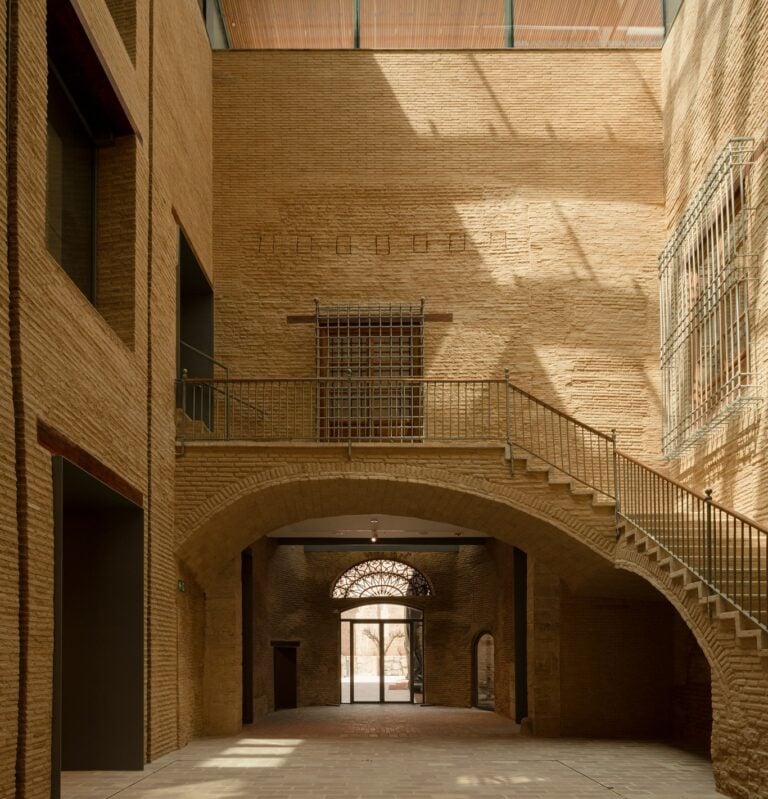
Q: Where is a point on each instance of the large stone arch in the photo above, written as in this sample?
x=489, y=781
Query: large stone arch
x=730, y=665
x=575, y=538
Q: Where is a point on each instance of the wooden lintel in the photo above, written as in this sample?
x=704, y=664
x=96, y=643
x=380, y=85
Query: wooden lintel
x=309, y=319
x=59, y=444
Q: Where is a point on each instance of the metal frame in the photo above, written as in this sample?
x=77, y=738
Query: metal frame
x=375, y=342
x=509, y=38
x=405, y=581
x=707, y=358
x=412, y=626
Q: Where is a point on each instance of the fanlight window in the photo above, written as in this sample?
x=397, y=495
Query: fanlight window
x=381, y=578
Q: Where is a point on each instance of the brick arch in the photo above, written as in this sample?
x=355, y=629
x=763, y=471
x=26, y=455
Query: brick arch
x=694, y=616
x=218, y=529
x=728, y=667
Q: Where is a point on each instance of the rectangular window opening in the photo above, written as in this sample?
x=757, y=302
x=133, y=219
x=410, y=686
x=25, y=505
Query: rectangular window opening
x=90, y=226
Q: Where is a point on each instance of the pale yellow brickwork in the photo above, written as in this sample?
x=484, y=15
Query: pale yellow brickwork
x=83, y=371
x=715, y=68
x=526, y=193
x=520, y=191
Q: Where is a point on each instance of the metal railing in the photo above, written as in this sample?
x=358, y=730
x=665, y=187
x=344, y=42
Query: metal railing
x=724, y=549
x=727, y=551
x=345, y=410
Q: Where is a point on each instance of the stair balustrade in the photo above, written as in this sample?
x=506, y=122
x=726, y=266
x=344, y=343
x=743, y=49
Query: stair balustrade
x=725, y=550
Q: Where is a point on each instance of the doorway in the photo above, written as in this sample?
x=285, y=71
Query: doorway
x=285, y=674
x=382, y=654
x=484, y=682
x=98, y=665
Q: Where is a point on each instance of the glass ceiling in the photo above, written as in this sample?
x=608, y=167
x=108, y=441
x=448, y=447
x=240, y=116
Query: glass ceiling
x=442, y=24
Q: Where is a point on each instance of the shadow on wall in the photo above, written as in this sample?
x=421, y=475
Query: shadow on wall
x=710, y=98
x=520, y=191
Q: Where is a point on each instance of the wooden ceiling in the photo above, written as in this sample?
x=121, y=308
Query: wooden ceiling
x=441, y=24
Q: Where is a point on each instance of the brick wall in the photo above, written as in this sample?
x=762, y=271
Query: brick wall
x=301, y=608
x=521, y=191
x=89, y=372
x=714, y=69
x=9, y=580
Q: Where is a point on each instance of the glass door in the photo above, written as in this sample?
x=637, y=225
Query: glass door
x=366, y=662
x=396, y=655
x=382, y=654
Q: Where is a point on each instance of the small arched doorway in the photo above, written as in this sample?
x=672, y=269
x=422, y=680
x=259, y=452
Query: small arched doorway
x=484, y=676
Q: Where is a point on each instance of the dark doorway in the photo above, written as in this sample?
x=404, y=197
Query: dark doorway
x=286, y=693
x=246, y=574
x=98, y=710
x=195, y=315
x=520, y=581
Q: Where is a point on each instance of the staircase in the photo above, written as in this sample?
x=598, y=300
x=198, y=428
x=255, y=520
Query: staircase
x=718, y=556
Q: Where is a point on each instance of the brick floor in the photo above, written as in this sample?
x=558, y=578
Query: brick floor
x=405, y=751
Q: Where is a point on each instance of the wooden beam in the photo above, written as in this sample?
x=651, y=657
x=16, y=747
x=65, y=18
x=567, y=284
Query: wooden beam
x=309, y=319
x=59, y=444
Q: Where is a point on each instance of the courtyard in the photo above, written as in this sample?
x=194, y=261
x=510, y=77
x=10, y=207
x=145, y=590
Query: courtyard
x=357, y=751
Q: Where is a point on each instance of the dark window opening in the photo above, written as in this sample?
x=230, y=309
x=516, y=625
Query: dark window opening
x=91, y=173
x=195, y=315
x=70, y=209
x=202, y=399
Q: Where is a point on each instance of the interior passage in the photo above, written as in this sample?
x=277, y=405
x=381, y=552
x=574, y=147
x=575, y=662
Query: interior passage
x=403, y=751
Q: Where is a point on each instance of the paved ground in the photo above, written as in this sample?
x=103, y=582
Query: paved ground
x=402, y=752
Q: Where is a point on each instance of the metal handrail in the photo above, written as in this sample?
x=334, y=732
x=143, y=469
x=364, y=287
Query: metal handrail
x=726, y=550
x=207, y=356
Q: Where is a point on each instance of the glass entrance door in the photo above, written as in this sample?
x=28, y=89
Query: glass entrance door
x=366, y=673
x=382, y=654
x=396, y=649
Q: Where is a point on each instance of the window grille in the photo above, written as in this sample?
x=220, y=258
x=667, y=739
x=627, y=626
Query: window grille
x=363, y=352
x=705, y=270
x=376, y=577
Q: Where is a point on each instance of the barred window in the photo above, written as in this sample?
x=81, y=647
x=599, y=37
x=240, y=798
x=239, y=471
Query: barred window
x=367, y=357
x=706, y=357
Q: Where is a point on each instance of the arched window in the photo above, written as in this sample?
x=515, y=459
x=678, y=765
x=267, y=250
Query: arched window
x=381, y=578
x=485, y=691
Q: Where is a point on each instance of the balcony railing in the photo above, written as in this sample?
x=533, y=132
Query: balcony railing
x=727, y=551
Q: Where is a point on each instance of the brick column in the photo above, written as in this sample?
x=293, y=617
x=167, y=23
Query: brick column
x=223, y=674
x=543, y=650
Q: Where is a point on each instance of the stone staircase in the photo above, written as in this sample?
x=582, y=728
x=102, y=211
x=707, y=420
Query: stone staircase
x=718, y=608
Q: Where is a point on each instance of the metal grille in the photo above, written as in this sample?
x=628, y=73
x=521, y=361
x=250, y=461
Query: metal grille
x=359, y=350
x=705, y=271
x=373, y=578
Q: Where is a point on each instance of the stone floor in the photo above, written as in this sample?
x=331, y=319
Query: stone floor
x=402, y=751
